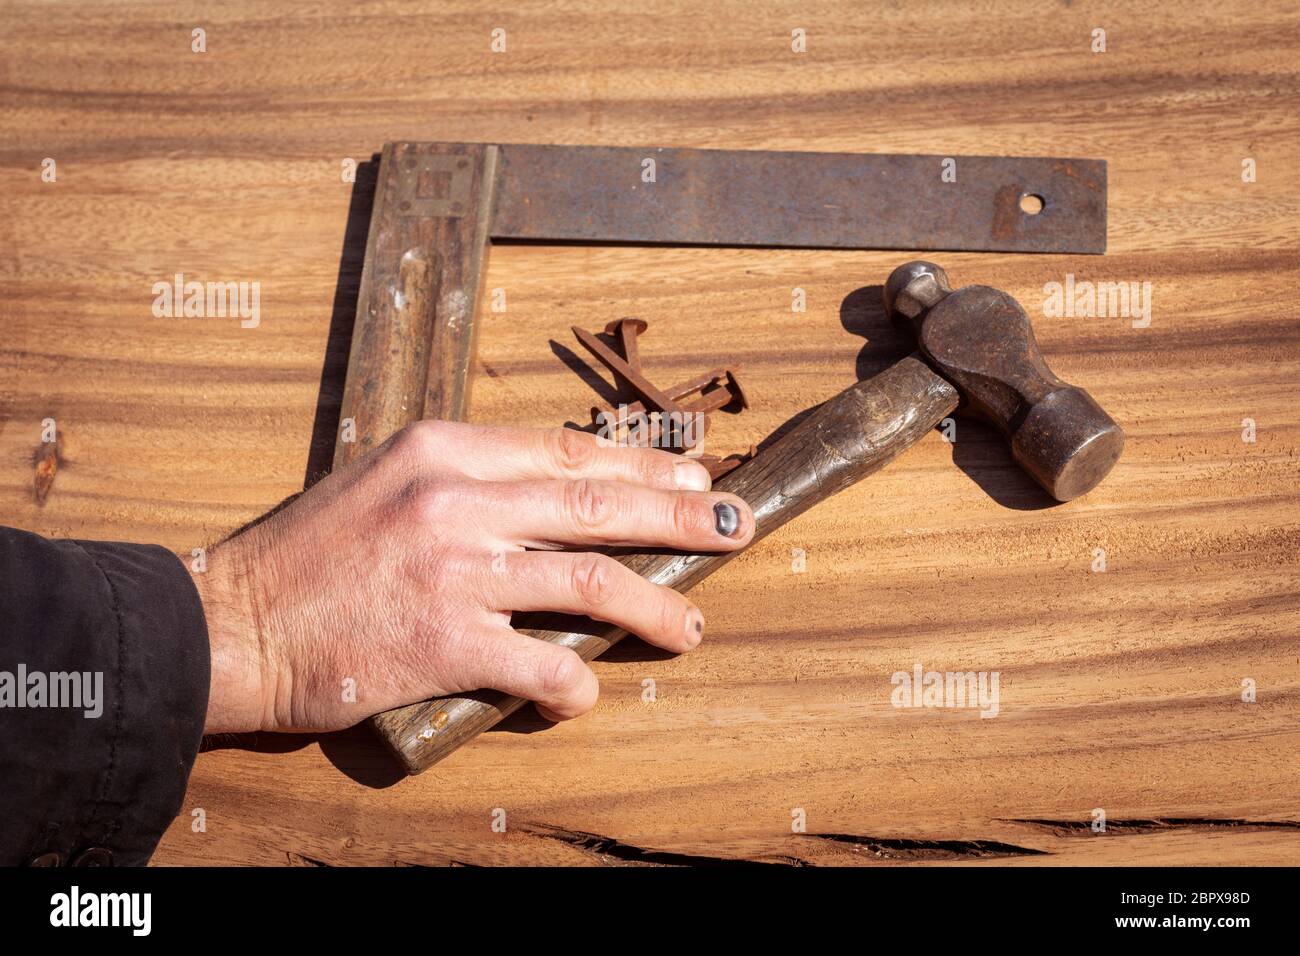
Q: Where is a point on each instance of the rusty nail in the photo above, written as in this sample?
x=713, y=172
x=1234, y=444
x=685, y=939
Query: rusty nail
x=717, y=467
x=676, y=393
x=627, y=330
x=733, y=386
x=677, y=429
x=712, y=400
x=645, y=390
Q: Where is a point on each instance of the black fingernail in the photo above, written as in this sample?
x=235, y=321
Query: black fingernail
x=694, y=627
x=726, y=518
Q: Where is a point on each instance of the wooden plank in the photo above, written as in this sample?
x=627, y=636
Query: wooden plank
x=1121, y=690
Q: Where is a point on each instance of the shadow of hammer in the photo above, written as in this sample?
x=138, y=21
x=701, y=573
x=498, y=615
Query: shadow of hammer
x=976, y=353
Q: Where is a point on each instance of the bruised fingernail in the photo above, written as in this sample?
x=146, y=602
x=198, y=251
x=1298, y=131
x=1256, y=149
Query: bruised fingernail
x=694, y=627
x=726, y=518
x=691, y=476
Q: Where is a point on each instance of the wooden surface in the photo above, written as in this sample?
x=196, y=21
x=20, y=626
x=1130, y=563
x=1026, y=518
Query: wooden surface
x=1119, y=690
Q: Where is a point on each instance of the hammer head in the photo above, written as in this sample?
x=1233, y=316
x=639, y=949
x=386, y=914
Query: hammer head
x=980, y=340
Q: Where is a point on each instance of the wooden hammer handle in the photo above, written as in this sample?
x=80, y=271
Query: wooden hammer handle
x=849, y=437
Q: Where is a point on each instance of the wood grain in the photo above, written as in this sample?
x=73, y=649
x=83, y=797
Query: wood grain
x=1119, y=690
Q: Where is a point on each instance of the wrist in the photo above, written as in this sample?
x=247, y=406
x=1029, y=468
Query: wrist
x=237, y=695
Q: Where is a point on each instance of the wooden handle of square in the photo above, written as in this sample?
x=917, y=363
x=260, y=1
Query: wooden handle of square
x=416, y=327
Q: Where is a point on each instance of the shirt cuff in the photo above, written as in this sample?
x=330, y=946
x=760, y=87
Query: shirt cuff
x=100, y=783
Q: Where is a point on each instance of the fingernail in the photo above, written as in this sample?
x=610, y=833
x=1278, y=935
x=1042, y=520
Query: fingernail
x=694, y=627
x=691, y=476
x=726, y=519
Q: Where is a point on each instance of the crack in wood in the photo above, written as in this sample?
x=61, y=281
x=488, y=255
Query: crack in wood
x=1066, y=828
x=429, y=866
x=887, y=848
x=613, y=852
x=297, y=859
x=610, y=851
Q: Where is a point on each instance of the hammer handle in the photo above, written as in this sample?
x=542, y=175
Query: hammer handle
x=847, y=438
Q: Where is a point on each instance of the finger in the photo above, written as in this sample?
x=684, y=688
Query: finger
x=600, y=587
x=523, y=454
x=544, y=514
x=502, y=659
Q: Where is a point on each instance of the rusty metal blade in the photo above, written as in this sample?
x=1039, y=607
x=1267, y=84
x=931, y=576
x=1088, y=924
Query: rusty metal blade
x=799, y=200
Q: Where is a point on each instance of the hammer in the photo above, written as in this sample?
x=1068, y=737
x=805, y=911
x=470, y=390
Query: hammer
x=976, y=353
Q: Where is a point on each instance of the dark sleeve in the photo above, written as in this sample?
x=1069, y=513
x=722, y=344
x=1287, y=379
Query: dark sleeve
x=103, y=694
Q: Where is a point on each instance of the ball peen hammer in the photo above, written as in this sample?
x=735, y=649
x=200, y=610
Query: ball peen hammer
x=976, y=353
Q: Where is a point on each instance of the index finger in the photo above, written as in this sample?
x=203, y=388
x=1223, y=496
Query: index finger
x=495, y=453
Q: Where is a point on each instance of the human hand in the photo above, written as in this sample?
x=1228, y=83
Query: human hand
x=396, y=576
